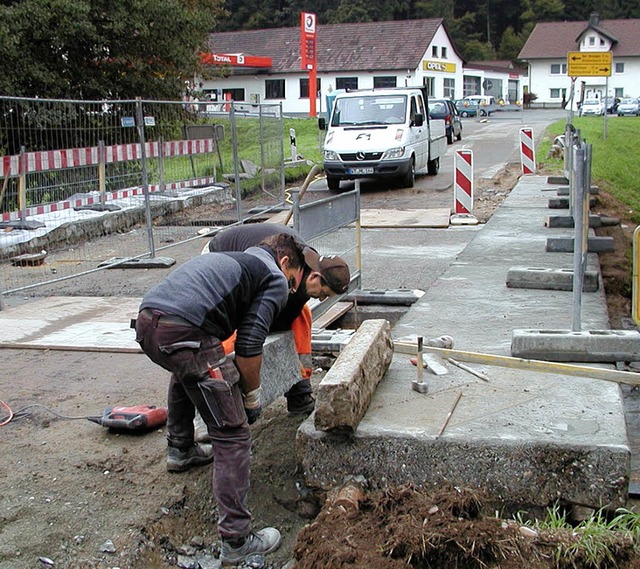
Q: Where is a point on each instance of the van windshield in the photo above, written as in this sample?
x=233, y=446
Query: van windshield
x=370, y=110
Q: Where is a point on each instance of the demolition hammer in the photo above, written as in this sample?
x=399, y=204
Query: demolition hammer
x=135, y=418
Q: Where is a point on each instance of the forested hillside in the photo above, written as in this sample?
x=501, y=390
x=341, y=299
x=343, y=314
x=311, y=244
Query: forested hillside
x=482, y=30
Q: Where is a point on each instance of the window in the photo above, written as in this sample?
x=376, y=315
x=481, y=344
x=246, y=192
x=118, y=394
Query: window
x=385, y=81
x=601, y=42
x=274, y=89
x=450, y=88
x=304, y=87
x=434, y=50
x=430, y=84
x=592, y=40
x=558, y=69
x=236, y=94
x=619, y=67
x=619, y=92
x=346, y=82
x=557, y=93
x=443, y=52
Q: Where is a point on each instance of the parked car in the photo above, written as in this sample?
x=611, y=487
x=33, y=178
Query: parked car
x=629, y=106
x=467, y=108
x=592, y=107
x=486, y=104
x=445, y=109
x=612, y=104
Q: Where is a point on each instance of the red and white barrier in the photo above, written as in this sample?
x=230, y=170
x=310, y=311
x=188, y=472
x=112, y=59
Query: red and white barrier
x=47, y=160
x=463, y=181
x=527, y=151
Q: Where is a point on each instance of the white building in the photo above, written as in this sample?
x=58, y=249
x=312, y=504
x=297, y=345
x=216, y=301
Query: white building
x=265, y=65
x=549, y=44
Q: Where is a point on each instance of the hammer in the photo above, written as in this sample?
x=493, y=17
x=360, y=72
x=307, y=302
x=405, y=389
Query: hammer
x=418, y=384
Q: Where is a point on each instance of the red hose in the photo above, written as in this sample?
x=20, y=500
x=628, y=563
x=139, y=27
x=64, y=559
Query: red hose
x=8, y=419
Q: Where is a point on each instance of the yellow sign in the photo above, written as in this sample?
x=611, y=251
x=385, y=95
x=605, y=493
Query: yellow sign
x=439, y=66
x=589, y=63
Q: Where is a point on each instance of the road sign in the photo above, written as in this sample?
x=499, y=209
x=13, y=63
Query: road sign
x=589, y=63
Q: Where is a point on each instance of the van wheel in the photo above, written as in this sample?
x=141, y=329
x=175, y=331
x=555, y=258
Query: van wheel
x=333, y=183
x=433, y=166
x=409, y=179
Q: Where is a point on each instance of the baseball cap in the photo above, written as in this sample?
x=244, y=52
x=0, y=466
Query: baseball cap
x=334, y=269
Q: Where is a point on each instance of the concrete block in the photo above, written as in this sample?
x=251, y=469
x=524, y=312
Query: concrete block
x=563, y=203
x=594, y=245
x=586, y=346
x=280, y=366
x=549, y=279
x=345, y=392
x=566, y=191
x=324, y=340
x=566, y=221
x=557, y=180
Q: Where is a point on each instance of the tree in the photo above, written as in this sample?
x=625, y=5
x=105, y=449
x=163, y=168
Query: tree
x=510, y=45
x=98, y=49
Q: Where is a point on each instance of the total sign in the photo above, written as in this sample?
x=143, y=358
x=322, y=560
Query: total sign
x=441, y=66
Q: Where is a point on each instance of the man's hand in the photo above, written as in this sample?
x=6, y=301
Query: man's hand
x=253, y=405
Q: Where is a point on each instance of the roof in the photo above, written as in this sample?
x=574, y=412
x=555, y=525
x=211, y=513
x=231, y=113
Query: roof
x=366, y=46
x=555, y=39
x=501, y=66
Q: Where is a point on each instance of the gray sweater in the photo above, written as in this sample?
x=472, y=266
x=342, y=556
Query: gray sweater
x=223, y=292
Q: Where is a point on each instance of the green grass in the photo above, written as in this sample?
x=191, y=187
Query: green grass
x=614, y=157
x=593, y=542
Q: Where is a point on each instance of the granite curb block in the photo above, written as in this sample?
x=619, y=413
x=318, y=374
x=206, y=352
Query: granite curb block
x=280, y=366
x=345, y=392
x=549, y=279
x=605, y=346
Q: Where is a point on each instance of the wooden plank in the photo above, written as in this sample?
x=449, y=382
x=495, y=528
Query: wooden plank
x=332, y=314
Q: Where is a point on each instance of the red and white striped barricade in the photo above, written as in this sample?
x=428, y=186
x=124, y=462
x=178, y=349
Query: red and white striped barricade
x=463, y=188
x=527, y=151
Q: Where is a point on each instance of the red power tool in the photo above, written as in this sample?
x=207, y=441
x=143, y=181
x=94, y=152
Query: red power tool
x=135, y=418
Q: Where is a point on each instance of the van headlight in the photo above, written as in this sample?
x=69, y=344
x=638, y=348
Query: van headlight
x=331, y=155
x=393, y=153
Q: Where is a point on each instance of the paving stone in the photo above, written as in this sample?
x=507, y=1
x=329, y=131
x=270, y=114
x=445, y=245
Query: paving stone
x=345, y=392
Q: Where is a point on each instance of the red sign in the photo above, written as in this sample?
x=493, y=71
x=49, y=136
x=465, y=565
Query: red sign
x=235, y=60
x=308, y=55
x=308, y=40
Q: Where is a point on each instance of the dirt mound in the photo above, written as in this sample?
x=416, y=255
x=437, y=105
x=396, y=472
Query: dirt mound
x=408, y=526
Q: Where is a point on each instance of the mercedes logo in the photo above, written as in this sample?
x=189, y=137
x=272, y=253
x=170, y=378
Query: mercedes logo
x=360, y=156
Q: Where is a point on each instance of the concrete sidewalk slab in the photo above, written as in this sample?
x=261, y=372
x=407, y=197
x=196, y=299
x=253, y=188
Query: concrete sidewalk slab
x=526, y=438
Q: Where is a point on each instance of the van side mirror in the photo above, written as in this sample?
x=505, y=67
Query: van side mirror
x=418, y=119
x=322, y=123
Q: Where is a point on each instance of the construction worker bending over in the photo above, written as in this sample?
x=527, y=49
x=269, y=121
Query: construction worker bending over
x=324, y=276
x=181, y=325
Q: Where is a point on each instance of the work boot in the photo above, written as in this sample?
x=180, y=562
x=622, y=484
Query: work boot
x=259, y=542
x=301, y=404
x=179, y=460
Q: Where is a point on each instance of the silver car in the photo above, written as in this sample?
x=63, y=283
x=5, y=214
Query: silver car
x=629, y=106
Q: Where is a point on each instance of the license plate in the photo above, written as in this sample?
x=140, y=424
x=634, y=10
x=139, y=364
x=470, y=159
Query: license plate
x=360, y=171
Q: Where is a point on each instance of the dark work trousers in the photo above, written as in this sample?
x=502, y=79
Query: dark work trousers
x=185, y=350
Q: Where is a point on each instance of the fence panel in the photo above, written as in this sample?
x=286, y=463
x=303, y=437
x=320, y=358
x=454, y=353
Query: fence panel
x=74, y=171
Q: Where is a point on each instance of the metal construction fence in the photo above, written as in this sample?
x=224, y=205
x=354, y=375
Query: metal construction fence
x=74, y=171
